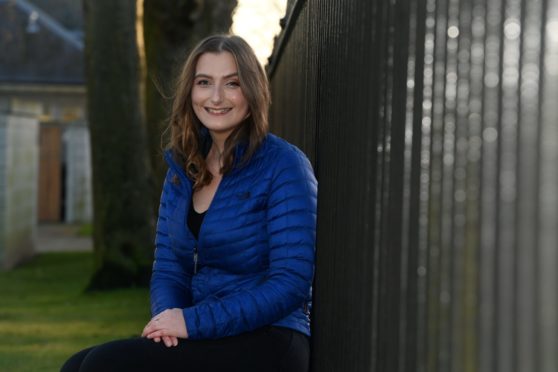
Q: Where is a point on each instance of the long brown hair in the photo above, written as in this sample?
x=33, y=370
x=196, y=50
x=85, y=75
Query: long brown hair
x=185, y=127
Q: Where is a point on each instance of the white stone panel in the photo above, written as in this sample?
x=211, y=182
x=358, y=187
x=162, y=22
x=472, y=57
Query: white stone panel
x=19, y=151
x=78, y=203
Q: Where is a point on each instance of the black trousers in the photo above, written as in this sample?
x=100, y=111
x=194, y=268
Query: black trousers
x=266, y=349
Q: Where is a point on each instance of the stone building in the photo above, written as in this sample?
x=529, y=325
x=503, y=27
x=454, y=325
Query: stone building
x=45, y=172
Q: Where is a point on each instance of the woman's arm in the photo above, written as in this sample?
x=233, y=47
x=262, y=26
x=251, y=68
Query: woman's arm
x=170, y=284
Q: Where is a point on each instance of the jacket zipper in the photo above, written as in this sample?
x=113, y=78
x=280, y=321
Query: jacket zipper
x=195, y=259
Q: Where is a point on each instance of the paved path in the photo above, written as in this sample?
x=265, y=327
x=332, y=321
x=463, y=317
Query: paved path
x=61, y=238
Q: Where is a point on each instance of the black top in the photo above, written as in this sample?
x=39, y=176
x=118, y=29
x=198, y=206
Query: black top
x=195, y=220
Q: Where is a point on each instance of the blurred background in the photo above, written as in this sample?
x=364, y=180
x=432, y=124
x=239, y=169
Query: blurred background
x=42, y=80
x=432, y=127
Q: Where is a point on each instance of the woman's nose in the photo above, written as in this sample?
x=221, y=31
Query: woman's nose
x=217, y=94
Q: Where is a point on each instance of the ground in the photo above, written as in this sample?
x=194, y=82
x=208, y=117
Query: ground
x=45, y=315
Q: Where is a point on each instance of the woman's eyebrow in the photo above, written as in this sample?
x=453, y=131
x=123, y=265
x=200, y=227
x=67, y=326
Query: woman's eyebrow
x=211, y=77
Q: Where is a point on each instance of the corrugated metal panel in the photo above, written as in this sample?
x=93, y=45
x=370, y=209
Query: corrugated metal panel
x=432, y=129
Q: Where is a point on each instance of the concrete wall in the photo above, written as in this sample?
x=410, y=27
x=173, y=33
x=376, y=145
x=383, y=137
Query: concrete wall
x=18, y=187
x=77, y=158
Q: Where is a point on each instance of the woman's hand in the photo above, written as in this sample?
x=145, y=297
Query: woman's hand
x=167, y=326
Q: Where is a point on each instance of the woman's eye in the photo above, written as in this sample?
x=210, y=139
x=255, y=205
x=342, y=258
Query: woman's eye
x=233, y=84
x=202, y=82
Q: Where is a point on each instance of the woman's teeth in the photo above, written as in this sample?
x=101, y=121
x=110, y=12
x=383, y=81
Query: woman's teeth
x=218, y=111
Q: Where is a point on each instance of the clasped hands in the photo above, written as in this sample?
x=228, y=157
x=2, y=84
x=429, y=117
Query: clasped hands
x=167, y=326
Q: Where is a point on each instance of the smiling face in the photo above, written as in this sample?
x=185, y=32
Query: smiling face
x=217, y=96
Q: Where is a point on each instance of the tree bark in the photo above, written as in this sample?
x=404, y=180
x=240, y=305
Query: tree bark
x=171, y=30
x=123, y=228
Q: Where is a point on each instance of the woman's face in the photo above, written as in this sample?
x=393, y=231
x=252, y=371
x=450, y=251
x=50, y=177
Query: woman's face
x=217, y=96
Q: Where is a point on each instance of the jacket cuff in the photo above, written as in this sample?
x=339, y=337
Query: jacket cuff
x=192, y=323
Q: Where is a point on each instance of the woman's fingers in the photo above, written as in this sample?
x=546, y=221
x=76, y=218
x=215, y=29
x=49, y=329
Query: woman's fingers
x=170, y=341
x=153, y=324
x=144, y=331
x=168, y=326
x=167, y=341
x=158, y=333
x=148, y=329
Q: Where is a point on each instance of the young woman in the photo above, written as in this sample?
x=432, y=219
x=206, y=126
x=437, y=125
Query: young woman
x=234, y=258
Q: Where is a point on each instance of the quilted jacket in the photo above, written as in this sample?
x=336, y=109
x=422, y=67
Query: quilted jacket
x=253, y=262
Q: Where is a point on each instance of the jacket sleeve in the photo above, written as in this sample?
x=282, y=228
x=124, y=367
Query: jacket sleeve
x=291, y=228
x=170, y=284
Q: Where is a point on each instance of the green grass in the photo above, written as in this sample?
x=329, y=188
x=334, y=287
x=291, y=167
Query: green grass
x=85, y=230
x=45, y=316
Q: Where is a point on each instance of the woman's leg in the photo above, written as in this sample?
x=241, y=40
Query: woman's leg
x=297, y=356
x=74, y=363
x=267, y=349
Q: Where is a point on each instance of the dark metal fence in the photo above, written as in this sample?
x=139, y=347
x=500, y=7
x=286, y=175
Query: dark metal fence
x=433, y=129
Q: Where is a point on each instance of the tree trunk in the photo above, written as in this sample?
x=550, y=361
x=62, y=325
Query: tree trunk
x=171, y=30
x=123, y=227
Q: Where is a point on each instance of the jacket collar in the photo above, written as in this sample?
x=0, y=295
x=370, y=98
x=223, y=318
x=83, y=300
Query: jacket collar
x=174, y=163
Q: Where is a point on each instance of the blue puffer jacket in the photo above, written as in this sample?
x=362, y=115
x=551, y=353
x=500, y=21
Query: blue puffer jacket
x=255, y=253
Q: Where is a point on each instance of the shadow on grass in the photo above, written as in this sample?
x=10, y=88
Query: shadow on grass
x=45, y=315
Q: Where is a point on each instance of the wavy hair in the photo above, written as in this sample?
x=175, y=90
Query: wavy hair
x=185, y=127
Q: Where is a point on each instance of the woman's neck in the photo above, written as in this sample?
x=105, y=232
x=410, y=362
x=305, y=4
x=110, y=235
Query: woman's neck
x=218, y=141
x=214, y=159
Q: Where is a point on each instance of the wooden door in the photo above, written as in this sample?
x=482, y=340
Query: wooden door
x=50, y=173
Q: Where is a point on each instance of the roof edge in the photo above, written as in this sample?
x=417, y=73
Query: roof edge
x=42, y=88
x=50, y=23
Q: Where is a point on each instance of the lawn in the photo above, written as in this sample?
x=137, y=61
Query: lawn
x=45, y=316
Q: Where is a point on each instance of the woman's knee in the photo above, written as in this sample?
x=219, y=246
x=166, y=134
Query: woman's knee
x=121, y=355
x=74, y=362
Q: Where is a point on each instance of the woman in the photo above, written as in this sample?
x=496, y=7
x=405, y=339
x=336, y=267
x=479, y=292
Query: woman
x=234, y=258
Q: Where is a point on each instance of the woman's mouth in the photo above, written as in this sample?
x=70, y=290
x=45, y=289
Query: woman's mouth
x=214, y=111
